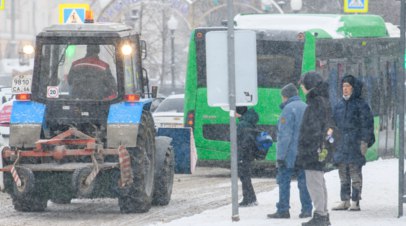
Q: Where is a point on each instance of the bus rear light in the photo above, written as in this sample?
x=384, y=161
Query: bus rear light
x=23, y=97
x=199, y=35
x=190, y=119
x=300, y=36
x=132, y=98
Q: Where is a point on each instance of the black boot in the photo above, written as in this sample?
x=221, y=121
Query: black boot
x=318, y=220
x=279, y=215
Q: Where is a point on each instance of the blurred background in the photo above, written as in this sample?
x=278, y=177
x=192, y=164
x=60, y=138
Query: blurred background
x=164, y=24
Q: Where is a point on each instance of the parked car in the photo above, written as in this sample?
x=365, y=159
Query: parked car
x=5, y=113
x=169, y=112
x=5, y=94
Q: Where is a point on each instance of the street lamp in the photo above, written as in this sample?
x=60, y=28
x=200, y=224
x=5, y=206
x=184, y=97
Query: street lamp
x=296, y=5
x=172, y=26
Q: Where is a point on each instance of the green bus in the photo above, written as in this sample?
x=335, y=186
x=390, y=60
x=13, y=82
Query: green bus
x=288, y=45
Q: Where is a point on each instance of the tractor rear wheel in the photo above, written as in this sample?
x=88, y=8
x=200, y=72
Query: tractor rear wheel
x=165, y=170
x=137, y=197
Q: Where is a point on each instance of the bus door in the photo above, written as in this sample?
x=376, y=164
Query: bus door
x=388, y=97
x=336, y=69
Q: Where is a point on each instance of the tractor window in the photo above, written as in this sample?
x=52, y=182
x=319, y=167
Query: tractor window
x=131, y=71
x=83, y=72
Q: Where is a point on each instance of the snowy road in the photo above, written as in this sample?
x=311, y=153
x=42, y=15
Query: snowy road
x=208, y=188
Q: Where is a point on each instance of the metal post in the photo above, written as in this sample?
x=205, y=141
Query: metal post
x=231, y=93
x=173, y=59
x=402, y=111
x=12, y=45
x=164, y=26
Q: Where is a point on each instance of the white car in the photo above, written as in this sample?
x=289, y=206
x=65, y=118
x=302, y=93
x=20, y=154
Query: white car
x=169, y=113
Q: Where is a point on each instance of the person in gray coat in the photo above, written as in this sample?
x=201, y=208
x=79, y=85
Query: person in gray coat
x=289, y=123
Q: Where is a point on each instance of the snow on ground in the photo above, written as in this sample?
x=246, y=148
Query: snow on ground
x=379, y=205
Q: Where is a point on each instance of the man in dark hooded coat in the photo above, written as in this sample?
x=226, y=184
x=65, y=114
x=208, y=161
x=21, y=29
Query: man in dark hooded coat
x=316, y=124
x=355, y=123
x=246, y=145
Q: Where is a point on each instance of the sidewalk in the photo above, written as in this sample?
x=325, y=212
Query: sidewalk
x=379, y=206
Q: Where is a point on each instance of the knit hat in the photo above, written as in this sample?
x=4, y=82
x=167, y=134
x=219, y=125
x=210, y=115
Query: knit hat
x=311, y=80
x=289, y=91
x=241, y=110
x=350, y=79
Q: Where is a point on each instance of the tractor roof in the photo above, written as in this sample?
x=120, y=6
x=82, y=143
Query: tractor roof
x=87, y=30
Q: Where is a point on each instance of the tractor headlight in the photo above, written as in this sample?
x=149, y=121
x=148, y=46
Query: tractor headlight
x=126, y=49
x=28, y=49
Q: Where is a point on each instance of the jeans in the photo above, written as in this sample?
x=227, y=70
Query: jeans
x=283, y=179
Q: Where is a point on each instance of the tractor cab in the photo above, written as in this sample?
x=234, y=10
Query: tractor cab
x=80, y=71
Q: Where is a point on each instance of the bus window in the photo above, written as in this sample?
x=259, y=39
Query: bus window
x=277, y=63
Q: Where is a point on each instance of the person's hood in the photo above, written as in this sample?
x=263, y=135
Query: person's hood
x=294, y=98
x=356, y=89
x=250, y=116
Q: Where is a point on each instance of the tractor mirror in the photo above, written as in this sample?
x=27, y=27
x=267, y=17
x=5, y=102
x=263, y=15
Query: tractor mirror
x=154, y=91
x=143, y=49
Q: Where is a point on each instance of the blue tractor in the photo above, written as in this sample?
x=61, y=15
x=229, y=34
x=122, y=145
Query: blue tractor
x=81, y=125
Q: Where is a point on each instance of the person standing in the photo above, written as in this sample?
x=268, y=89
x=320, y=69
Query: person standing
x=91, y=66
x=246, y=145
x=355, y=122
x=316, y=124
x=288, y=134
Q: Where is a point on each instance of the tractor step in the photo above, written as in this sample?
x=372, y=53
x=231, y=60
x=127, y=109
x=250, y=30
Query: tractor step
x=66, y=167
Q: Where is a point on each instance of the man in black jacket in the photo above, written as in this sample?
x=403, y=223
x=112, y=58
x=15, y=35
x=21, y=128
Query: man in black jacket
x=246, y=145
x=316, y=124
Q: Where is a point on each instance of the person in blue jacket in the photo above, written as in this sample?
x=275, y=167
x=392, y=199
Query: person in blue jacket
x=355, y=124
x=288, y=134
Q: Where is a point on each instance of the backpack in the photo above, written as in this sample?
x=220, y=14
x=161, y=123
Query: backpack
x=263, y=142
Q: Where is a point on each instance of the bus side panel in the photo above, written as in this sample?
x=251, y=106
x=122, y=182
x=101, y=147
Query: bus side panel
x=309, y=53
x=191, y=80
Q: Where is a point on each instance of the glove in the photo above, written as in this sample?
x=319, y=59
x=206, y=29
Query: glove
x=322, y=154
x=364, y=147
x=281, y=163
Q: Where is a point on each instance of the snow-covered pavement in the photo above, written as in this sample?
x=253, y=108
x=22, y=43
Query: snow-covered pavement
x=379, y=206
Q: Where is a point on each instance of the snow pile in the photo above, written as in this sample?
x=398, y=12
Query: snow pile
x=379, y=206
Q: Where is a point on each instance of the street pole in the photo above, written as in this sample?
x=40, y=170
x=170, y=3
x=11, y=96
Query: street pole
x=172, y=26
x=164, y=26
x=173, y=59
x=401, y=197
x=231, y=94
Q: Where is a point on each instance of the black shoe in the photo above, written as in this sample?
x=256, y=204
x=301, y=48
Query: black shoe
x=247, y=204
x=318, y=220
x=305, y=215
x=279, y=215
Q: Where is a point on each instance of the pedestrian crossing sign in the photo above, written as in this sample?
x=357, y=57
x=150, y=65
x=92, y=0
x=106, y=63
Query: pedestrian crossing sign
x=72, y=13
x=1, y=4
x=356, y=6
